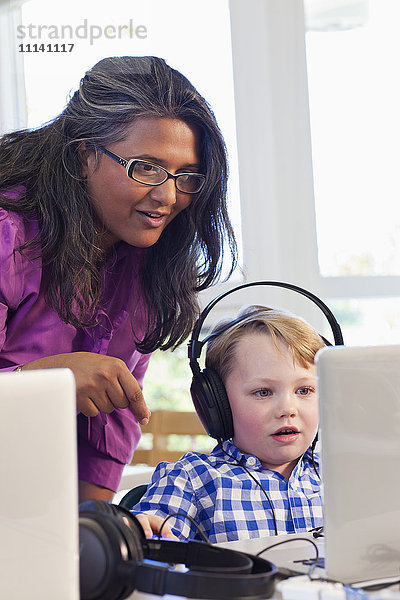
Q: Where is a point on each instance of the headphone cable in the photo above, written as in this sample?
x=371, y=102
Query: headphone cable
x=193, y=522
x=254, y=479
x=314, y=443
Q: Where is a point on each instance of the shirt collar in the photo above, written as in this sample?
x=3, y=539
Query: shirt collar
x=235, y=455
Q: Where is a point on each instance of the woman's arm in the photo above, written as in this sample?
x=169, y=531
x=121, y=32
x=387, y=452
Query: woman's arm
x=91, y=491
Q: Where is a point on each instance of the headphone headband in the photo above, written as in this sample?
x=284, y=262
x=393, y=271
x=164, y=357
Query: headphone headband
x=221, y=584
x=198, y=556
x=196, y=345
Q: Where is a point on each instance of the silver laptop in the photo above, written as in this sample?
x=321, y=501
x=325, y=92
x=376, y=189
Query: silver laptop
x=39, y=549
x=359, y=391
x=359, y=394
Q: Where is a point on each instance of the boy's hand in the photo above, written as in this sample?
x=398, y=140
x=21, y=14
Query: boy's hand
x=151, y=525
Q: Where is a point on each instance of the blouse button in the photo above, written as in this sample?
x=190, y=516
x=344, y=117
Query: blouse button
x=251, y=461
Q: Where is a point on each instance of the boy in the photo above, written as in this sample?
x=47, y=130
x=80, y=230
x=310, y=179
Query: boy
x=264, y=480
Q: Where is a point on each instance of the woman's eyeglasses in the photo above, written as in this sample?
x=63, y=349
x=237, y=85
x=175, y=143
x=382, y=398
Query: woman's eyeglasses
x=150, y=174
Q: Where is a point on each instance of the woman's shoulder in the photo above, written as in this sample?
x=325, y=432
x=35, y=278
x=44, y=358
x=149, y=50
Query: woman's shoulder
x=15, y=230
x=12, y=236
x=15, y=192
x=11, y=228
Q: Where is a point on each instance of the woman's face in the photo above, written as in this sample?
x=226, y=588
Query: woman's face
x=129, y=210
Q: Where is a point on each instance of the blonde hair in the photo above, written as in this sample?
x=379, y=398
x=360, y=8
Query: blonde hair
x=301, y=339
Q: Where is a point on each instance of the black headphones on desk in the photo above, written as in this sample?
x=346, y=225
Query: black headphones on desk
x=207, y=389
x=115, y=559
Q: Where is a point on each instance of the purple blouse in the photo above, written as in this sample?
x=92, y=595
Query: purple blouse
x=29, y=330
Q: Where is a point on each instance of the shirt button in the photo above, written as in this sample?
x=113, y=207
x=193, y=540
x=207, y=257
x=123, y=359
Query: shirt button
x=251, y=461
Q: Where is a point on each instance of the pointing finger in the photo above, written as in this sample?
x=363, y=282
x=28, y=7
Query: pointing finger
x=135, y=397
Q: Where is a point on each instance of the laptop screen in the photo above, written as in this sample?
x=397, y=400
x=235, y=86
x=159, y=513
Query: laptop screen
x=38, y=474
x=359, y=395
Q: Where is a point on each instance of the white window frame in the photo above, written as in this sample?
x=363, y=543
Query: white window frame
x=12, y=82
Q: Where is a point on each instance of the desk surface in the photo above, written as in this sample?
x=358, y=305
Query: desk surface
x=299, y=548
x=293, y=547
x=134, y=475
x=294, y=588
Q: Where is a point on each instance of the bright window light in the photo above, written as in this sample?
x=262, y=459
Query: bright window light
x=355, y=123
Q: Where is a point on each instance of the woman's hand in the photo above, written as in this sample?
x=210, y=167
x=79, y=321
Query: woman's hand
x=103, y=383
x=151, y=525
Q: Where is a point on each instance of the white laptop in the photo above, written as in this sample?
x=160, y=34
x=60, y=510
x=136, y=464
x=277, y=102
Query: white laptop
x=359, y=395
x=39, y=549
x=359, y=392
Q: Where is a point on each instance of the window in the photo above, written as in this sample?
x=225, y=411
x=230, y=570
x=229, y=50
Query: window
x=352, y=56
x=322, y=215
x=355, y=125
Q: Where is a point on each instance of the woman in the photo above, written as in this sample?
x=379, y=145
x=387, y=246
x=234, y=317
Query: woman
x=112, y=218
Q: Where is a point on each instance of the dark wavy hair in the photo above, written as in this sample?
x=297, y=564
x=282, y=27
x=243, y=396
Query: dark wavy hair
x=187, y=257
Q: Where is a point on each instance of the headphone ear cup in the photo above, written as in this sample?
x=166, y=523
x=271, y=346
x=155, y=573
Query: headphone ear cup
x=212, y=405
x=108, y=538
x=120, y=512
x=222, y=402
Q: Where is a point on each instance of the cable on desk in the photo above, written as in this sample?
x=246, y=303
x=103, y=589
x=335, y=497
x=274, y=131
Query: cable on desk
x=374, y=587
x=317, y=532
x=313, y=565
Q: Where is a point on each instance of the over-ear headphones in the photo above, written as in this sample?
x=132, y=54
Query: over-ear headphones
x=207, y=389
x=116, y=559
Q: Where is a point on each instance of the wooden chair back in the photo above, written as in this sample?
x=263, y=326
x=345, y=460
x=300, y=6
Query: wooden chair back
x=162, y=424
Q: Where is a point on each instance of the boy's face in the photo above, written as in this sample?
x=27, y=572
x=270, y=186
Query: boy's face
x=274, y=402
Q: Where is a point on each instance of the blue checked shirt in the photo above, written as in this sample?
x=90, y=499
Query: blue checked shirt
x=226, y=503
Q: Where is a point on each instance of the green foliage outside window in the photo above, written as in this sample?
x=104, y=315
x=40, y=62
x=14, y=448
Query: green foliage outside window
x=167, y=380
x=167, y=387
